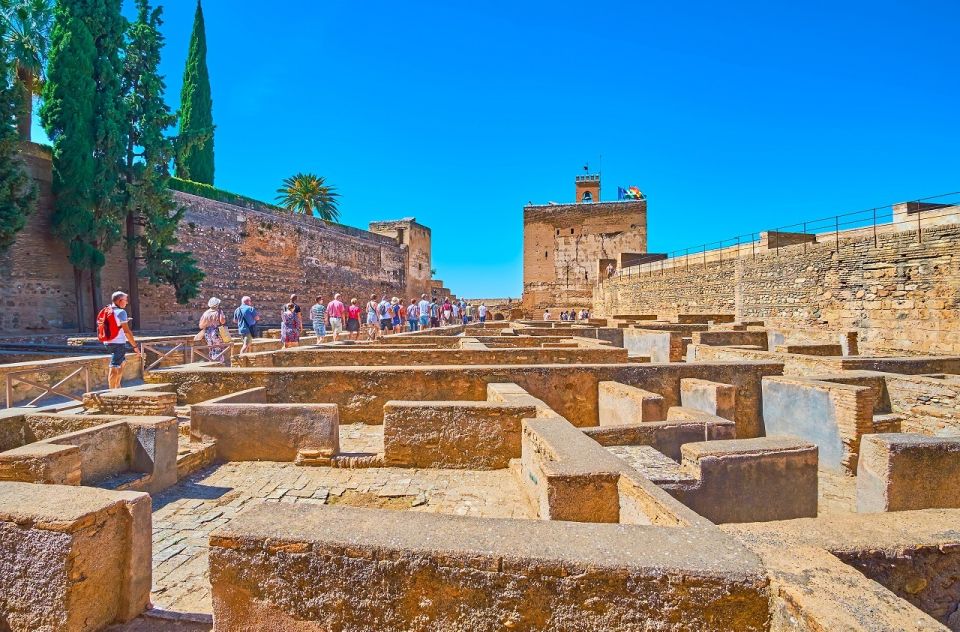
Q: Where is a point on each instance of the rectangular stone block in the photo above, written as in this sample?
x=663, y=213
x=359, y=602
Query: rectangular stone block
x=665, y=436
x=750, y=480
x=74, y=558
x=622, y=404
x=302, y=568
x=898, y=472
x=42, y=463
x=713, y=398
x=467, y=435
x=267, y=432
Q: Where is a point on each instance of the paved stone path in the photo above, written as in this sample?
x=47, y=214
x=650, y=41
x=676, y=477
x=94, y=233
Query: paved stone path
x=185, y=514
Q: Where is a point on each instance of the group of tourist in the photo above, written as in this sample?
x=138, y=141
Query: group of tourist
x=570, y=315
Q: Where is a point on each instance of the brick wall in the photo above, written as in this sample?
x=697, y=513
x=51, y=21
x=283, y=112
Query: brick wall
x=900, y=294
x=242, y=250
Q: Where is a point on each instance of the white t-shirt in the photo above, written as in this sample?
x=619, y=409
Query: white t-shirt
x=424, y=308
x=482, y=310
x=121, y=316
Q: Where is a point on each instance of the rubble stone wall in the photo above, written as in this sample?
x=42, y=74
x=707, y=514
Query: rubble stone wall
x=901, y=292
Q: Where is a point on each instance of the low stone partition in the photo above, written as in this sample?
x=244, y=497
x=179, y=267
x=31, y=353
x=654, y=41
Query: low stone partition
x=726, y=338
x=74, y=558
x=568, y=475
x=749, y=480
x=833, y=415
x=706, y=318
x=897, y=472
x=461, y=435
x=475, y=354
x=665, y=436
x=659, y=346
x=146, y=399
x=300, y=568
x=622, y=404
x=571, y=390
x=811, y=349
x=246, y=428
x=133, y=453
x=713, y=398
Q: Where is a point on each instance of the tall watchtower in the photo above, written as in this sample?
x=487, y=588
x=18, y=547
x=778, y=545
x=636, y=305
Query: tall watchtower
x=588, y=189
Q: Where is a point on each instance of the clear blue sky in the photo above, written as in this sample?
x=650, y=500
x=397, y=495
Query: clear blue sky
x=732, y=117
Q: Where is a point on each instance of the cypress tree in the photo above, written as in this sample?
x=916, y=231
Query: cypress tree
x=17, y=193
x=195, y=152
x=105, y=22
x=148, y=200
x=68, y=118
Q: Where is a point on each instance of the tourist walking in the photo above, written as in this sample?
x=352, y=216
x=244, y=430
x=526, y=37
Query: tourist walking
x=413, y=314
x=246, y=319
x=385, y=315
x=336, y=312
x=546, y=314
x=372, y=319
x=423, y=309
x=447, y=311
x=401, y=310
x=212, y=325
x=113, y=330
x=482, y=312
x=290, y=326
x=434, y=313
x=353, y=320
x=297, y=310
x=318, y=314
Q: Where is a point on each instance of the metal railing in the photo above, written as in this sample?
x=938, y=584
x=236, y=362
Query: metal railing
x=874, y=221
x=48, y=390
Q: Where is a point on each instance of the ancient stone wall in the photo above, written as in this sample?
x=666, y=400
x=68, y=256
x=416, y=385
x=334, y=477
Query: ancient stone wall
x=563, y=245
x=243, y=251
x=899, y=292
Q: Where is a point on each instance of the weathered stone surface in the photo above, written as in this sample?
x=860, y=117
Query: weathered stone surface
x=468, y=435
x=712, y=398
x=622, y=404
x=266, y=432
x=73, y=558
x=320, y=568
x=908, y=471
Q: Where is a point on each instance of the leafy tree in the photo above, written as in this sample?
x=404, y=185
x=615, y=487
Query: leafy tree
x=148, y=200
x=26, y=37
x=17, y=193
x=195, y=150
x=68, y=117
x=309, y=194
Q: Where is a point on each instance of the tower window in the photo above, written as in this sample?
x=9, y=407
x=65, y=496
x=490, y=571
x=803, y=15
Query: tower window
x=545, y=254
x=571, y=231
x=587, y=197
x=558, y=231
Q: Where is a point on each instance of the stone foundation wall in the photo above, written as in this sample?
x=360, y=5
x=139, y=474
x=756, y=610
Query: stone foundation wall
x=900, y=294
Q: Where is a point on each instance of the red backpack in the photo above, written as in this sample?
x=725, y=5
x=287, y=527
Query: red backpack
x=107, y=327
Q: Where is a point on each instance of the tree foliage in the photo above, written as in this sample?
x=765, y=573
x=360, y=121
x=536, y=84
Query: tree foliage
x=67, y=115
x=195, y=159
x=309, y=194
x=26, y=37
x=149, y=152
x=18, y=195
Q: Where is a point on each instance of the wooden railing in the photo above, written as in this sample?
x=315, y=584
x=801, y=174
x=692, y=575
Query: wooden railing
x=191, y=352
x=48, y=390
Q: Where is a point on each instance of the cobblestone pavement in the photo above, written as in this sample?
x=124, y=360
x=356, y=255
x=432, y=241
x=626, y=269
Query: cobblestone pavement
x=185, y=514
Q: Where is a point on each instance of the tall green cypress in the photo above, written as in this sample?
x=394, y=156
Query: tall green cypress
x=108, y=27
x=67, y=115
x=195, y=152
x=18, y=196
x=148, y=201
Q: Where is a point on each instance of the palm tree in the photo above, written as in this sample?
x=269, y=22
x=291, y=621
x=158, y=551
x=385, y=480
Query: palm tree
x=26, y=35
x=308, y=194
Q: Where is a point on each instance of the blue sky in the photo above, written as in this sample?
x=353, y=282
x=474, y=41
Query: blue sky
x=732, y=117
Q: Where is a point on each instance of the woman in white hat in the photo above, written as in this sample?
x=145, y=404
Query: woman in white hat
x=210, y=324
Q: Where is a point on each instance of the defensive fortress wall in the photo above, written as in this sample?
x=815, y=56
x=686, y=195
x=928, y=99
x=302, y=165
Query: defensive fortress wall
x=243, y=251
x=899, y=289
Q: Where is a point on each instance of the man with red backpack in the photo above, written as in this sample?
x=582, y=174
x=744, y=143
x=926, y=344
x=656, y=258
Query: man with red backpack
x=113, y=330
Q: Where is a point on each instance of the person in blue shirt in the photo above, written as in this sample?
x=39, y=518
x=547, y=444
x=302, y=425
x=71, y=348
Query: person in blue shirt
x=246, y=318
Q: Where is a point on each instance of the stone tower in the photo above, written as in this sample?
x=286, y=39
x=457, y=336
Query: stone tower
x=588, y=189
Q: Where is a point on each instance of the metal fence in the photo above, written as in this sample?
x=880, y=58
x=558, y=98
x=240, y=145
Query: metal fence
x=873, y=221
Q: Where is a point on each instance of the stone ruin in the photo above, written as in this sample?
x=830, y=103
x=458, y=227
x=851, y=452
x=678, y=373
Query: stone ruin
x=629, y=473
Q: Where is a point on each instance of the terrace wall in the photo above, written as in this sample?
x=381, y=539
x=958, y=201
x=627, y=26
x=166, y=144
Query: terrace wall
x=900, y=294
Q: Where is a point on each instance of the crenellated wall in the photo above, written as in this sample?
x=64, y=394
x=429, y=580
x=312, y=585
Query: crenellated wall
x=243, y=251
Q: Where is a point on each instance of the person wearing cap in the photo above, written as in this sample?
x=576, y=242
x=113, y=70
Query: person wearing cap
x=210, y=323
x=117, y=346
